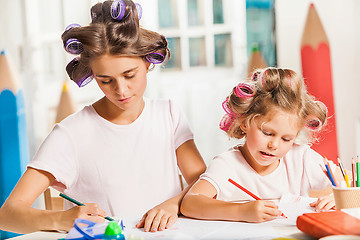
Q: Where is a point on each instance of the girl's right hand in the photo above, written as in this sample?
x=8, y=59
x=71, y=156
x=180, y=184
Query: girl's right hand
x=259, y=211
x=90, y=211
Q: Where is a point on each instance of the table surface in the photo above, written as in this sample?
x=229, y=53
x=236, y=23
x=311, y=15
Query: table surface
x=186, y=228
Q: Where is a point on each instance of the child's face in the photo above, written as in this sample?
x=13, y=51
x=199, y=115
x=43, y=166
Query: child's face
x=268, y=141
x=122, y=79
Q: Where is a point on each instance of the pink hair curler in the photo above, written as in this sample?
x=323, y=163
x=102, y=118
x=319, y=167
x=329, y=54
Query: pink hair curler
x=313, y=124
x=226, y=122
x=244, y=90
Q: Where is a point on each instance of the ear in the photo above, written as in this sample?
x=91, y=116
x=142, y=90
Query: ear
x=147, y=66
x=243, y=126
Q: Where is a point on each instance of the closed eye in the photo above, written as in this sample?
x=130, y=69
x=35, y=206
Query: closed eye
x=266, y=133
x=129, y=76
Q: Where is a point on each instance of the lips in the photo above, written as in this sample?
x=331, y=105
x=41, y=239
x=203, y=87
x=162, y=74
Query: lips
x=124, y=99
x=267, y=154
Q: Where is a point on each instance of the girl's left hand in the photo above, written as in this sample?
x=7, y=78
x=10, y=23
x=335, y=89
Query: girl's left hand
x=161, y=217
x=324, y=203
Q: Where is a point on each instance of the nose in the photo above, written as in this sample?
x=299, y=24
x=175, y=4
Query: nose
x=273, y=144
x=120, y=86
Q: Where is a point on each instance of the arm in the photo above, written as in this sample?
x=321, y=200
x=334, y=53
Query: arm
x=17, y=215
x=165, y=214
x=199, y=203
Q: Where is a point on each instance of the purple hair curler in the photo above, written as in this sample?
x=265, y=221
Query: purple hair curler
x=85, y=80
x=139, y=10
x=118, y=8
x=73, y=25
x=244, y=90
x=74, y=46
x=155, y=58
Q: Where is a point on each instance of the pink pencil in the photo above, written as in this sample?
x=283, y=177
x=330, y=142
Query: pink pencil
x=249, y=193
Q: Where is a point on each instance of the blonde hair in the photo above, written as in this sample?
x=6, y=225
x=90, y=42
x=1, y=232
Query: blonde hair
x=272, y=89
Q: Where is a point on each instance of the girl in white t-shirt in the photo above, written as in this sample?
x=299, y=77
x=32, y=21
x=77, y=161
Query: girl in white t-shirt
x=121, y=155
x=275, y=117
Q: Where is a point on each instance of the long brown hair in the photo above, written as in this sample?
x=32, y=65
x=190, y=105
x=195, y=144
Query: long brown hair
x=106, y=35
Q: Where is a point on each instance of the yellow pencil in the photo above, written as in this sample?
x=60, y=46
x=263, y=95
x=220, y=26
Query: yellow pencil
x=344, y=173
x=347, y=178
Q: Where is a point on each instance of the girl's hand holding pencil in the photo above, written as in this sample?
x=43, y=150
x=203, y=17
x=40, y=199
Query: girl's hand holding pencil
x=89, y=211
x=260, y=210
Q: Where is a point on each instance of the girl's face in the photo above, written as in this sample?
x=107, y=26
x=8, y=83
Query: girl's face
x=268, y=141
x=122, y=79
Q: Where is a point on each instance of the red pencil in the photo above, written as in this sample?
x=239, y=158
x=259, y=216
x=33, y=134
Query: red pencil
x=353, y=169
x=249, y=193
x=324, y=170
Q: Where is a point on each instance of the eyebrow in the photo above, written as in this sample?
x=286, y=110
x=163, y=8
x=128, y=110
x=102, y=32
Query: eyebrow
x=272, y=130
x=125, y=72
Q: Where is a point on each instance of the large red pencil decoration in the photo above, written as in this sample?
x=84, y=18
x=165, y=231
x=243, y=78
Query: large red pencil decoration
x=316, y=67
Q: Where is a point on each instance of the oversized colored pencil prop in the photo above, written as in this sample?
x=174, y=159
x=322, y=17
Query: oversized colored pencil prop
x=316, y=67
x=14, y=154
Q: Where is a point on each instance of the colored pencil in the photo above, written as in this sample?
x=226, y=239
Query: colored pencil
x=14, y=148
x=249, y=193
x=358, y=172
x=328, y=168
x=256, y=60
x=353, y=171
x=316, y=68
x=66, y=104
x=79, y=203
x=346, y=177
x=324, y=170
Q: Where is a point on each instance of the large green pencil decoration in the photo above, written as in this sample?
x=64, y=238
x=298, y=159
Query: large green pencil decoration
x=14, y=154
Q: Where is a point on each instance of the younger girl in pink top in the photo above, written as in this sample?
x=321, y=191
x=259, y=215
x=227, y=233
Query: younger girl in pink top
x=276, y=119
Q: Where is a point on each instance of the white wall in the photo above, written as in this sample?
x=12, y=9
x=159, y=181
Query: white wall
x=341, y=21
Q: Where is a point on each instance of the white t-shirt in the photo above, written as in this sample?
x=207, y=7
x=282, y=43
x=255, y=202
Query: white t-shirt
x=125, y=169
x=297, y=173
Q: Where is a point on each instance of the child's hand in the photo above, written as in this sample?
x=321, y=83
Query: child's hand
x=159, y=218
x=90, y=212
x=259, y=211
x=324, y=203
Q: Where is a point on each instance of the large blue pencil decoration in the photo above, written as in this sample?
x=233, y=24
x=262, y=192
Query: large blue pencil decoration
x=14, y=154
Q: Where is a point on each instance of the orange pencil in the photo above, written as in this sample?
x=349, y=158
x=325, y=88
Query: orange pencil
x=324, y=170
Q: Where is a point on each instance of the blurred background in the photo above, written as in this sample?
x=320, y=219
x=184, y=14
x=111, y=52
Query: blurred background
x=211, y=43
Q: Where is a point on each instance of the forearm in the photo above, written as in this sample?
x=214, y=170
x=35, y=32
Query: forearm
x=203, y=207
x=16, y=217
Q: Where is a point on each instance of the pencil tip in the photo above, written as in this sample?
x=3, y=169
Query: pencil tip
x=2, y=52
